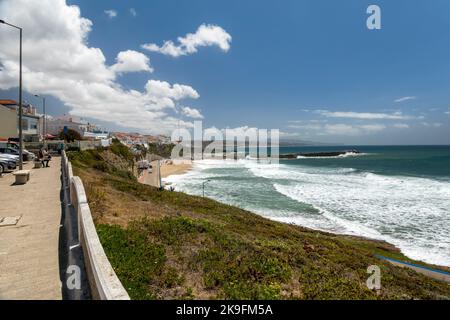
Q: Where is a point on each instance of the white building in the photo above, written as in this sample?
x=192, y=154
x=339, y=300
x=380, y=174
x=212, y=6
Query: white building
x=9, y=121
x=57, y=124
x=96, y=135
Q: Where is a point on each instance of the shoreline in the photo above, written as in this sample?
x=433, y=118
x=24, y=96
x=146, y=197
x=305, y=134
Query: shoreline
x=405, y=262
x=171, y=168
x=188, y=167
x=190, y=218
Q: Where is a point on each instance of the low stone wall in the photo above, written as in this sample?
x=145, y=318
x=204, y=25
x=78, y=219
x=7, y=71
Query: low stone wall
x=103, y=281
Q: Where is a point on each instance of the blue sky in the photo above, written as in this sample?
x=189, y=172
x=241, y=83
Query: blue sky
x=310, y=68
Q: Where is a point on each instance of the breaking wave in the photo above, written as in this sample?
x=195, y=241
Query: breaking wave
x=409, y=212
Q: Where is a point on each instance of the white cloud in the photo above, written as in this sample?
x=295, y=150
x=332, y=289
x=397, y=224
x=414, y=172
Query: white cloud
x=336, y=129
x=208, y=133
x=433, y=124
x=131, y=61
x=364, y=115
x=372, y=127
x=59, y=62
x=244, y=131
x=111, y=13
x=163, y=89
x=401, y=126
x=402, y=99
x=192, y=113
x=231, y=133
x=307, y=125
x=448, y=112
x=207, y=35
x=133, y=12
x=340, y=130
x=307, y=121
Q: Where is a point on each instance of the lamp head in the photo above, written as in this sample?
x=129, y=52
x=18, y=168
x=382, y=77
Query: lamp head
x=2, y=21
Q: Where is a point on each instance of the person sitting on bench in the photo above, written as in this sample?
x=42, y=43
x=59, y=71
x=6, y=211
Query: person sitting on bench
x=45, y=157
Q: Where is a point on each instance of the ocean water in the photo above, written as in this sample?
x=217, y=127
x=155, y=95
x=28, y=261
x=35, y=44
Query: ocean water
x=397, y=194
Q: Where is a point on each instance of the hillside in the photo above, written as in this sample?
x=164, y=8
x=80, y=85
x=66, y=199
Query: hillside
x=170, y=245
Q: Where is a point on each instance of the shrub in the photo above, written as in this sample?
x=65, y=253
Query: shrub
x=70, y=135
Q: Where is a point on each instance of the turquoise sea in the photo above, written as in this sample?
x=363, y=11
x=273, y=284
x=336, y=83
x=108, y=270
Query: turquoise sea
x=400, y=194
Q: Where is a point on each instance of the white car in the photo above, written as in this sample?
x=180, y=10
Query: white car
x=9, y=157
x=13, y=148
x=26, y=155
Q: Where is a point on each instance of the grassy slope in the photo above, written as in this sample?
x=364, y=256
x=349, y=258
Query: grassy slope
x=169, y=245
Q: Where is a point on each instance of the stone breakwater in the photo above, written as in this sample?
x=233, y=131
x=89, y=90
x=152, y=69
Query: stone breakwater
x=318, y=154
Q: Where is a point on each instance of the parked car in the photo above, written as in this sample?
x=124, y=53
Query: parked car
x=30, y=155
x=7, y=165
x=26, y=155
x=7, y=144
x=9, y=157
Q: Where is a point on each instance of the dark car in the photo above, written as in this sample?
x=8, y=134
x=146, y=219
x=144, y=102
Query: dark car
x=7, y=165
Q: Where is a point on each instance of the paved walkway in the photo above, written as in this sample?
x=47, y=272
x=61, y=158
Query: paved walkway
x=29, y=261
x=152, y=178
x=433, y=273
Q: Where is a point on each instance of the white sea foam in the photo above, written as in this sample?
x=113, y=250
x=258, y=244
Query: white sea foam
x=410, y=212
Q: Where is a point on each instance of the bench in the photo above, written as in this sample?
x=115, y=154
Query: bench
x=37, y=164
x=22, y=176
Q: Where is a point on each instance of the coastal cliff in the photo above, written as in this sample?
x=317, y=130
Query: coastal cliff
x=170, y=245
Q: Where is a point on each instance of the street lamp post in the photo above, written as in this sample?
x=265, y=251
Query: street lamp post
x=20, y=94
x=44, y=129
x=203, y=186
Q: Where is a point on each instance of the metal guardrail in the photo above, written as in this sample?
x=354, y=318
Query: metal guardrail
x=103, y=281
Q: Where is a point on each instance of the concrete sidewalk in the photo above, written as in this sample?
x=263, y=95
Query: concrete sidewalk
x=29, y=261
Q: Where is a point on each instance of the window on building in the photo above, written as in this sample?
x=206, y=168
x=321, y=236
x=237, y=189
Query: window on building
x=33, y=124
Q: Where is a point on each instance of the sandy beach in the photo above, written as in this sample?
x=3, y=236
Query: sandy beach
x=168, y=169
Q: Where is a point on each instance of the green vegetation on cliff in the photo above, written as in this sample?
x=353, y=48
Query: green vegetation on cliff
x=170, y=245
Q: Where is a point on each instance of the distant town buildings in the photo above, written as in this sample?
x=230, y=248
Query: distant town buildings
x=132, y=139
x=33, y=124
x=33, y=127
x=57, y=124
x=86, y=129
x=9, y=121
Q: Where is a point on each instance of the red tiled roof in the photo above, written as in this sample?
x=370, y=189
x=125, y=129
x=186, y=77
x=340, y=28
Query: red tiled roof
x=8, y=102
